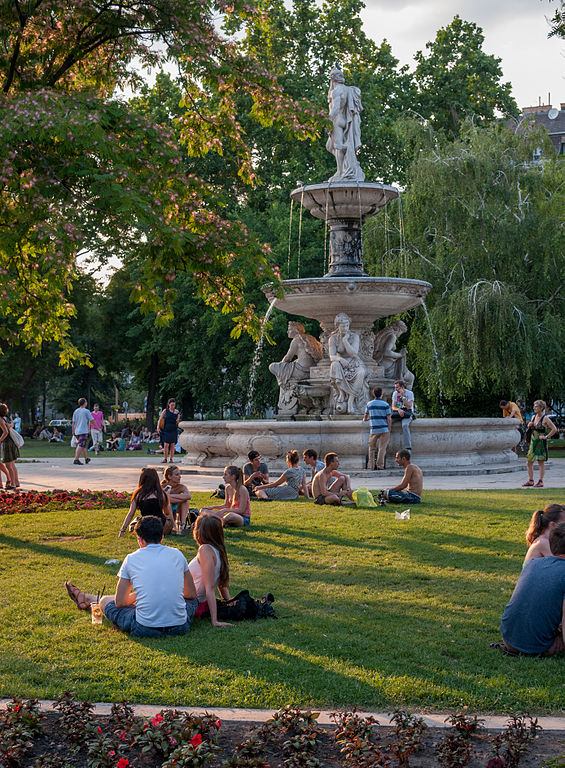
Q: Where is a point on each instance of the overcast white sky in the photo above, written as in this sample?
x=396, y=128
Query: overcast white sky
x=515, y=31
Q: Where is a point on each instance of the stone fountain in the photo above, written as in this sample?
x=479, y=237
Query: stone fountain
x=324, y=383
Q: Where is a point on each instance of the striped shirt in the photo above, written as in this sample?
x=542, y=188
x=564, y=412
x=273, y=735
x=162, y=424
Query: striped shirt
x=378, y=410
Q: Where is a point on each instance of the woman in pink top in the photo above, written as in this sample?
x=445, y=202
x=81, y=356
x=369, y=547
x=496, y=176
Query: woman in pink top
x=237, y=498
x=97, y=432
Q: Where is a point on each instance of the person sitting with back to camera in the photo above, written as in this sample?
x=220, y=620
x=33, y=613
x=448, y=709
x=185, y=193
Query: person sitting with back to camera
x=541, y=524
x=210, y=569
x=178, y=495
x=329, y=489
x=255, y=472
x=150, y=499
x=413, y=481
x=236, y=510
x=533, y=622
x=155, y=595
x=288, y=485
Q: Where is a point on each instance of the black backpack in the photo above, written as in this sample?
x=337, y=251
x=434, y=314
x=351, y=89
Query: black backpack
x=243, y=606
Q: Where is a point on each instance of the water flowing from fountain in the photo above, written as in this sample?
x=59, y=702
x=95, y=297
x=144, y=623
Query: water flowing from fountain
x=256, y=358
x=436, y=357
x=387, y=240
x=300, y=232
x=404, y=260
x=326, y=229
x=289, y=239
x=360, y=217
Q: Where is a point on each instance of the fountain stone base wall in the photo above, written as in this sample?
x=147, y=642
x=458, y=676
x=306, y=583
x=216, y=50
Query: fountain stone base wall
x=440, y=446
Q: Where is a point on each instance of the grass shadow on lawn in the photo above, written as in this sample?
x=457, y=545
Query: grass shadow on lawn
x=373, y=612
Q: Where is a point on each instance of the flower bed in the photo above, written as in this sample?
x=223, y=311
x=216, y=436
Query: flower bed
x=291, y=738
x=45, y=501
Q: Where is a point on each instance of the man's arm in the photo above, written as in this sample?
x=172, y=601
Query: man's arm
x=515, y=412
x=124, y=595
x=389, y=422
x=405, y=480
x=366, y=416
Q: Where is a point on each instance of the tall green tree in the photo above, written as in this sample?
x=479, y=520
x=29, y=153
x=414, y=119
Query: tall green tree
x=483, y=225
x=81, y=173
x=456, y=79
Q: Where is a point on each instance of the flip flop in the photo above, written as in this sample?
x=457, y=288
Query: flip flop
x=539, y=484
x=75, y=595
x=529, y=484
x=504, y=649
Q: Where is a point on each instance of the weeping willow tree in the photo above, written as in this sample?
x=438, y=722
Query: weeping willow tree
x=484, y=223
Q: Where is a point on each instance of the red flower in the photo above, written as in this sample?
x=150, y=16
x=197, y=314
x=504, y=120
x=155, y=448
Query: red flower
x=122, y=763
x=157, y=719
x=196, y=740
x=218, y=723
x=99, y=729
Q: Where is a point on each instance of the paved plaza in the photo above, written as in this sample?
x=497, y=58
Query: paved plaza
x=122, y=474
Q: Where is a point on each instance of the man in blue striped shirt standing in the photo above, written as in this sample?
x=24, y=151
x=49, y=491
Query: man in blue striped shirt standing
x=378, y=412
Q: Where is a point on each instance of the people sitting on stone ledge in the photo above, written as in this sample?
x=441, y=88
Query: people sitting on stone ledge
x=330, y=486
x=413, y=481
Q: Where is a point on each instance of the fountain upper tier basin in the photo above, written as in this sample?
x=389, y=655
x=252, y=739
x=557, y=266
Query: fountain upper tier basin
x=344, y=200
x=321, y=298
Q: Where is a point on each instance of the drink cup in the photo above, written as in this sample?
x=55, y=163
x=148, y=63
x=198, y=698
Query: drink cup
x=97, y=613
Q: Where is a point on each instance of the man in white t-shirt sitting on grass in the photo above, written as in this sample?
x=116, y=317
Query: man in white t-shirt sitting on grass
x=155, y=594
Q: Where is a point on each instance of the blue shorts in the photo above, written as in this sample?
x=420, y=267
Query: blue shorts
x=246, y=520
x=402, y=497
x=175, y=506
x=124, y=619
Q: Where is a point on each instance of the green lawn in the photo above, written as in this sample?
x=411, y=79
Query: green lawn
x=373, y=612
x=41, y=449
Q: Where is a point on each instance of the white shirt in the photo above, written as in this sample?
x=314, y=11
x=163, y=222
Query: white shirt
x=407, y=397
x=196, y=573
x=157, y=576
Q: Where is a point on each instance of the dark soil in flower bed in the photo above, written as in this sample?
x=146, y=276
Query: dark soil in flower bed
x=74, y=737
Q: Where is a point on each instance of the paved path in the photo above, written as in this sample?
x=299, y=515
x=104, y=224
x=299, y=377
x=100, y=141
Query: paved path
x=122, y=474
x=434, y=720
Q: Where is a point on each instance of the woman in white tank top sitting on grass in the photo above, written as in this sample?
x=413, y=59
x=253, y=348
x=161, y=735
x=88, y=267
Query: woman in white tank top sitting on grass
x=210, y=568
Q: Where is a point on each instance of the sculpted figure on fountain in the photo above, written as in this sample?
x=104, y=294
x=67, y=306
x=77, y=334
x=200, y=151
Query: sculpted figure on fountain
x=308, y=351
x=393, y=361
x=345, y=137
x=347, y=372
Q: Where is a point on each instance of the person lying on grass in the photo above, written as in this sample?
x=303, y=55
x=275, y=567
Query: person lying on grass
x=178, y=494
x=237, y=509
x=329, y=486
x=533, y=622
x=155, y=595
x=537, y=535
x=150, y=499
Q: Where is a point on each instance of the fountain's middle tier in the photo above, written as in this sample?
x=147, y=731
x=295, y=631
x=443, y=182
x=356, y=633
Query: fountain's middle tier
x=364, y=299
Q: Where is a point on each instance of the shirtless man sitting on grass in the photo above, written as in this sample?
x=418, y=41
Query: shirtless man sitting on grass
x=413, y=480
x=340, y=487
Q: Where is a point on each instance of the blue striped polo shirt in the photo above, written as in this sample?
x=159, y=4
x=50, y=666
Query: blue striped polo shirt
x=378, y=411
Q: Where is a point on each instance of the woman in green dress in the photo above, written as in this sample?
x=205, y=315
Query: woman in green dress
x=542, y=429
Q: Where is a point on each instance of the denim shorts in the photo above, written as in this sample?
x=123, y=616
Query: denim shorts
x=124, y=619
x=403, y=497
x=246, y=520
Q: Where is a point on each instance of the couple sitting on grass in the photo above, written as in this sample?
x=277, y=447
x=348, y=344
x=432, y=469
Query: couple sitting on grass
x=158, y=592
x=167, y=500
x=533, y=622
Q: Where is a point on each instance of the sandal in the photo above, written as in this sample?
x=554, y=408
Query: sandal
x=77, y=596
x=504, y=649
x=539, y=484
x=528, y=484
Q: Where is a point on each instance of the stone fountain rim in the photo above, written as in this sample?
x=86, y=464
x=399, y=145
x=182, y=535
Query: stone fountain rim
x=344, y=185
x=270, y=288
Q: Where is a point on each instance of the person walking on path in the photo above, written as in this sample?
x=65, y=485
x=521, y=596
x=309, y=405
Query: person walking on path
x=168, y=427
x=403, y=410
x=413, y=481
x=538, y=427
x=10, y=451
x=378, y=412
x=98, y=428
x=82, y=421
x=155, y=595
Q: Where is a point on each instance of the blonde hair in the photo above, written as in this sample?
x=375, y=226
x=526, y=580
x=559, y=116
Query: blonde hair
x=541, y=404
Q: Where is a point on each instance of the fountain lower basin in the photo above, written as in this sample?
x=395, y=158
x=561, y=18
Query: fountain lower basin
x=440, y=446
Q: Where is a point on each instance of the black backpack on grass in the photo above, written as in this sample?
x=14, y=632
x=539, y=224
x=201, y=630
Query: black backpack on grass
x=243, y=606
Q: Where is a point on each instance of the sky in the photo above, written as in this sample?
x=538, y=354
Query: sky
x=515, y=31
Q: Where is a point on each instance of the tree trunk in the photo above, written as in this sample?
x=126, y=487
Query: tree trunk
x=151, y=389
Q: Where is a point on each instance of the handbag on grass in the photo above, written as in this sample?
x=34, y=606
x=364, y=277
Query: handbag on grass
x=17, y=439
x=243, y=606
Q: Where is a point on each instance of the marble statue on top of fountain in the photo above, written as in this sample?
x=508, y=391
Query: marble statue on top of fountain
x=393, y=362
x=308, y=351
x=347, y=372
x=345, y=137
